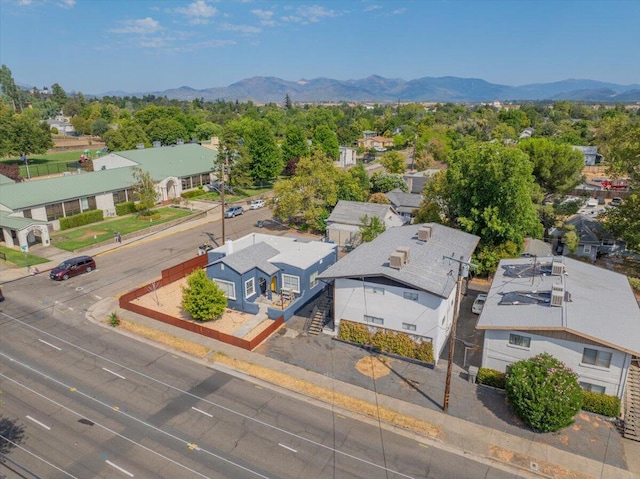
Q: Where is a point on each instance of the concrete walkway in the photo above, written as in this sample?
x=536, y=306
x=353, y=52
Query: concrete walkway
x=526, y=453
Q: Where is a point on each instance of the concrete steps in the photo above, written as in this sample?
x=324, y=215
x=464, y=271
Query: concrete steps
x=322, y=311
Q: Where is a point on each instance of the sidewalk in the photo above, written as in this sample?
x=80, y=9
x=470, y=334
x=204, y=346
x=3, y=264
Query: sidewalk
x=525, y=453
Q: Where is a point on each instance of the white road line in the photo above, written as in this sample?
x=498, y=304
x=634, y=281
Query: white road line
x=201, y=411
x=115, y=374
x=124, y=471
x=287, y=447
x=49, y=344
x=39, y=423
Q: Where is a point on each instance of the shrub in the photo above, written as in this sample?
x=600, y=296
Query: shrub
x=491, y=377
x=125, y=208
x=114, y=320
x=81, y=219
x=191, y=193
x=386, y=341
x=635, y=283
x=601, y=404
x=202, y=298
x=543, y=392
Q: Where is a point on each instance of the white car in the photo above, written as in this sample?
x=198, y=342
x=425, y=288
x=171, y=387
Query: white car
x=478, y=304
x=257, y=204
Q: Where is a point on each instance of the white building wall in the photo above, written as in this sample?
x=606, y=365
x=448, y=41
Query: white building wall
x=431, y=314
x=105, y=203
x=39, y=213
x=111, y=161
x=497, y=354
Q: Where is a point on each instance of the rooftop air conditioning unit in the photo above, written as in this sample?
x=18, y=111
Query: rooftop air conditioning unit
x=157, y=144
x=405, y=251
x=557, y=294
x=424, y=233
x=557, y=268
x=396, y=260
x=179, y=141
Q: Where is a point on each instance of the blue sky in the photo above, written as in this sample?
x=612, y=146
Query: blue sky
x=95, y=46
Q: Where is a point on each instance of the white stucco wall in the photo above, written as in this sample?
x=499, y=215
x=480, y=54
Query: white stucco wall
x=110, y=161
x=431, y=314
x=105, y=203
x=497, y=354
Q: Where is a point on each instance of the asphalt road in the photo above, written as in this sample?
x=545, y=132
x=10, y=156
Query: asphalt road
x=79, y=400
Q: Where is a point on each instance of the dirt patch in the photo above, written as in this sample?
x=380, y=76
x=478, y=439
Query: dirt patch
x=168, y=300
x=167, y=339
x=89, y=234
x=527, y=463
x=373, y=367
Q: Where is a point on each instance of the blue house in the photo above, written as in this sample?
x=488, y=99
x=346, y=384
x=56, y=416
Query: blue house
x=272, y=275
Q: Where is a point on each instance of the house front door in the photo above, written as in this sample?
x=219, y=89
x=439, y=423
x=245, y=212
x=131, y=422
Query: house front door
x=263, y=286
x=274, y=284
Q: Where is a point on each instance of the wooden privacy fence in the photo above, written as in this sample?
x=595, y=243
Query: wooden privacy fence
x=176, y=273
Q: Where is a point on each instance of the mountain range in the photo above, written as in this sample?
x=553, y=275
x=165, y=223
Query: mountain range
x=379, y=89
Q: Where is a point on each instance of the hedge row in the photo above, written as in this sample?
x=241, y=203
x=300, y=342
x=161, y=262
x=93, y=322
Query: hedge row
x=386, y=341
x=81, y=219
x=592, y=402
x=125, y=208
x=192, y=193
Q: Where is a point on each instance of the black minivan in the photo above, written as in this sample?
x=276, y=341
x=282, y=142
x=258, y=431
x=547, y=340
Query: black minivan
x=73, y=267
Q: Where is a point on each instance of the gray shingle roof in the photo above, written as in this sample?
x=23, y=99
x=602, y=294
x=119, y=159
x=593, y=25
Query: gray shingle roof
x=426, y=269
x=399, y=199
x=254, y=256
x=350, y=212
x=602, y=306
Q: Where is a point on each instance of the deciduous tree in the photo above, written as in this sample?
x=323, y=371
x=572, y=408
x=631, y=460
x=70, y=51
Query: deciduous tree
x=202, y=298
x=393, y=162
x=385, y=182
x=144, y=189
x=264, y=153
x=370, y=227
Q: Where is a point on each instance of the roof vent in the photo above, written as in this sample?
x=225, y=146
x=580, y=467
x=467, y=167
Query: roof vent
x=396, y=260
x=405, y=251
x=140, y=146
x=424, y=233
x=557, y=268
x=157, y=144
x=557, y=294
x=179, y=141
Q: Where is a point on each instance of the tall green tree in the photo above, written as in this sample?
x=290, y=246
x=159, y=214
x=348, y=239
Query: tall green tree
x=385, y=182
x=487, y=190
x=22, y=133
x=17, y=97
x=166, y=130
x=370, y=228
x=294, y=147
x=393, y=162
x=202, y=298
x=144, y=189
x=324, y=139
x=266, y=159
x=127, y=137
x=58, y=96
x=557, y=167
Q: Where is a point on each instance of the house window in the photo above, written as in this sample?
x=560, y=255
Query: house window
x=592, y=388
x=411, y=296
x=587, y=248
x=27, y=213
x=249, y=288
x=54, y=211
x=409, y=326
x=228, y=288
x=313, y=279
x=593, y=357
x=517, y=340
x=374, y=289
x=291, y=282
x=71, y=207
x=373, y=320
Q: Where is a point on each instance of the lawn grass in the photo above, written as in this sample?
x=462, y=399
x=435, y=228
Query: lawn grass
x=76, y=238
x=46, y=163
x=240, y=194
x=19, y=259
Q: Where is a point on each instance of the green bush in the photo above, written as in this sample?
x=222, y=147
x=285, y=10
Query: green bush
x=81, y=219
x=491, y=377
x=635, y=283
x=386, y=341
x=125, y=208
x=543, y=392
x=202, y=298
x=601, y=404
x=192, y=193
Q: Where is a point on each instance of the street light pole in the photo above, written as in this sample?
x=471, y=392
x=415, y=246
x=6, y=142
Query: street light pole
x=454, y=324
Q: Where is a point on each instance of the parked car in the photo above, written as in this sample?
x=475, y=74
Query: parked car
x=257, y=204
x=233, y=211
x=478, y=304
x=616, y=201
x=73, y=267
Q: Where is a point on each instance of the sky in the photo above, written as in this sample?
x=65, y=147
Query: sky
x=98, y=46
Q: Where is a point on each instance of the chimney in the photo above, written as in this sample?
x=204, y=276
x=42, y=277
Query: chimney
x=229, y=245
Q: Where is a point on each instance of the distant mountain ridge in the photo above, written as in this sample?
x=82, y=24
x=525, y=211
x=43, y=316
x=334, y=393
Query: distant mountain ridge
x=379, y=89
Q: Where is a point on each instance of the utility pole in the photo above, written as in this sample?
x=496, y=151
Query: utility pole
x=223, y=168
x=463, y=271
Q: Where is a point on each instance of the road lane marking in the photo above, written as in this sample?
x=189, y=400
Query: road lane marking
x=50, y=345
x=39, y=423
x=287, y=447
x=115, y=374
x=122, y=470
x=201, y=411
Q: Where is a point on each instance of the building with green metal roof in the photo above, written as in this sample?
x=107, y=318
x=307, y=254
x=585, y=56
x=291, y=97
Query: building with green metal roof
x=30, y=209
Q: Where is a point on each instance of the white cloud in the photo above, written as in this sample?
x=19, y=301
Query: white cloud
x=67, y=3
x=213, y=43
x=372, y=7
x=156, y=42
x=399, y=11
x=142, y=26
x=265, y=16
x=60, y=3
x=198, y=12
x=240, y=28
x=310, y=14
